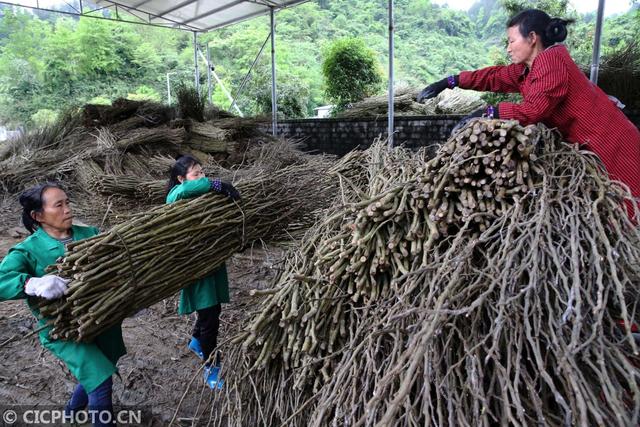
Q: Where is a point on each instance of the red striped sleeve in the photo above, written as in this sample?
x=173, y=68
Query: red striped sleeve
x=499, y=78
x=548, y=87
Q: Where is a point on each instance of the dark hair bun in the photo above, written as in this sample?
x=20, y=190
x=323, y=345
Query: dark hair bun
x=27, y=196
x=556, y=31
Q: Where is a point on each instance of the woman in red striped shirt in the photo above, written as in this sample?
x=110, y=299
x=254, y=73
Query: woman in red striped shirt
x=555, y=92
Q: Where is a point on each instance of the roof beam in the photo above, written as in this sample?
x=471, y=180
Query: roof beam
x=143, y=2
x=174, y=8
x=213, y=11
x=109, y=4
x=151, y=15
x=238, y=19
x=264, y=3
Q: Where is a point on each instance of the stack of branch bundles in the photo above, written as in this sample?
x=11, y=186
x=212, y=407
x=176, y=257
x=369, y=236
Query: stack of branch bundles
x=495, y=284
x=456, y=101
x=619, y=74
x=59, y=150
x=111, y=158
x=119, y=272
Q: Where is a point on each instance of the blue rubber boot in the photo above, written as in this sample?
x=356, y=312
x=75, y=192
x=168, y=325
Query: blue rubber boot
x=212, y=377
x=194, y=345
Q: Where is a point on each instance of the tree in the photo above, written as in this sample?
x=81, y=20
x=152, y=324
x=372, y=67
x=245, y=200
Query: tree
x=552, y=7
x=351, y=71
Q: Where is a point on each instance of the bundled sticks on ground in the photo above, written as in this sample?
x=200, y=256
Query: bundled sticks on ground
x=208, y=138
x=108, y=148
x=149, y=191
x=396, y=309
x=151, y=256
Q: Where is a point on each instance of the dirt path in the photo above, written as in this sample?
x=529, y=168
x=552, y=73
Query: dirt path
x=157, y=367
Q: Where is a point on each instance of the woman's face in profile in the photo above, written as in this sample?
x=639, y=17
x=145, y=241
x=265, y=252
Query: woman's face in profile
x=519, y=48
x=56, y=210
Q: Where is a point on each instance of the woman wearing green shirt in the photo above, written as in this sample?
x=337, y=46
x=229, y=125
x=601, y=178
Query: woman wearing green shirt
x=205, y=296
x=47, y=216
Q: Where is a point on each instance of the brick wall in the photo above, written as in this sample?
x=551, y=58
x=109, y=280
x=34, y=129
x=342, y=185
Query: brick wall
x=339, y=136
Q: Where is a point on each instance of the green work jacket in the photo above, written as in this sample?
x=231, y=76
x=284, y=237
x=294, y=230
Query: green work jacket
x=91, y=363
x=213, y=289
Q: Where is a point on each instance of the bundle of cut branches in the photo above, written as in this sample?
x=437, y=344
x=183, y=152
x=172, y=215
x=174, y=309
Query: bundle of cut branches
x=619, y=74
x=151, y=162
x=26, y=169
x=126, y=114
x=404, y=102
x=60, y=133
x=66, y=158
x=209, y=138
x=150, y=137
x=456, y=101
x=125, y=269
x=148, y=192
x=398, y=308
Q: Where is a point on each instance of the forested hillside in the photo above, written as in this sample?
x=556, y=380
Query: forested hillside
x=49, y=61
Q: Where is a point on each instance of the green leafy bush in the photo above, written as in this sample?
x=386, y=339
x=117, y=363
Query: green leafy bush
x=99, y=100
x=44, y=117
x=144, y=93
x=351, y=71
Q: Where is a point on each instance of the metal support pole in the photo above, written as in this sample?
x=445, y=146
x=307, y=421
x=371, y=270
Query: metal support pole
x=274, y=99
x=168, y=90
x=195, y=61
x=209, y=75
x=222, y=87
x=595, y=60
x=246, y=77
x=390, y=125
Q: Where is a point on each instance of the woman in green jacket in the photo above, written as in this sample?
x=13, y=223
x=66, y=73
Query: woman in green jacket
x=47, y=216
x=205, y=296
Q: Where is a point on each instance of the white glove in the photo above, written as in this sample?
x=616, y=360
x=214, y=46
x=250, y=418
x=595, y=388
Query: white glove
x=48, y=287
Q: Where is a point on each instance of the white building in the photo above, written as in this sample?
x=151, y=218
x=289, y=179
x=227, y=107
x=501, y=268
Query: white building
x=6, y=134
x=323, y=111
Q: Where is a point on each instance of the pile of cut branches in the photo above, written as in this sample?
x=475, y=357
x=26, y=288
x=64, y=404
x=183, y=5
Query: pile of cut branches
x=481, y=287
x=108, y=148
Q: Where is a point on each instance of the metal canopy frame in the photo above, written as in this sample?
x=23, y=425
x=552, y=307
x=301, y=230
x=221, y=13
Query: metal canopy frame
x=197, y=16
x=189, y=15
x=85, y=10
x=148, y=12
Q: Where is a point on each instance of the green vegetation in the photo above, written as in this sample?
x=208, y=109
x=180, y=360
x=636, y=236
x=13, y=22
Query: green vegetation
x=351, y=72
x=50, y=61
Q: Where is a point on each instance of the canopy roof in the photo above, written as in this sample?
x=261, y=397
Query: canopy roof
x=193, y=15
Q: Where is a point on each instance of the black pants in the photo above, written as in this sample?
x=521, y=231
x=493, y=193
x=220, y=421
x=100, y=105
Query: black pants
x=206, y=328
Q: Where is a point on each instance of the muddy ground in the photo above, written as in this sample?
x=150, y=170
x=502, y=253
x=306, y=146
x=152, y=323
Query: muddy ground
x=157, y=368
